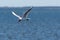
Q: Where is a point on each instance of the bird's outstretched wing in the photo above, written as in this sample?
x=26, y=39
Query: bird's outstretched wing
x=16, y=15
x=26, y=13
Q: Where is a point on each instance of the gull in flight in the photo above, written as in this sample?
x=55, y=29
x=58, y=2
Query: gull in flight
x=24, y=17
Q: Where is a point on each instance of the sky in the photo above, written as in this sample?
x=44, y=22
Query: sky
x=23, y=3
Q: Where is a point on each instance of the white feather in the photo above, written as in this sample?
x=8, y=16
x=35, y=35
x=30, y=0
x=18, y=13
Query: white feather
x=16, y=15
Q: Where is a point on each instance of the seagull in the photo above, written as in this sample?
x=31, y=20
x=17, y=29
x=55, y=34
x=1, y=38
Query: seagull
x=24, y=17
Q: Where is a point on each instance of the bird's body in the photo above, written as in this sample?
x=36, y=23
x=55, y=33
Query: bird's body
x=24, y=17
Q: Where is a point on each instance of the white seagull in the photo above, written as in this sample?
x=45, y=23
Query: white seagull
x=24, y=17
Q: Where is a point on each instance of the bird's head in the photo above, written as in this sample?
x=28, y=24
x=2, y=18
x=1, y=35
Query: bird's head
x=19, y=20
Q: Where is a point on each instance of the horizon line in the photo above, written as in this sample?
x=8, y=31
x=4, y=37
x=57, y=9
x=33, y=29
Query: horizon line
x=34, y=6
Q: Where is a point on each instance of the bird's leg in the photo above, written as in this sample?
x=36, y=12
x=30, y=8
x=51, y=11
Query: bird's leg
x=27, y=19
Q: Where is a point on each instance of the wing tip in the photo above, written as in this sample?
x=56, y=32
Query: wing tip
x=31, y=7
x=12, y=11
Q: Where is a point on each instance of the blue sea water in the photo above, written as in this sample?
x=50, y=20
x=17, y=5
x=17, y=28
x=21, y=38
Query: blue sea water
x=44, y=24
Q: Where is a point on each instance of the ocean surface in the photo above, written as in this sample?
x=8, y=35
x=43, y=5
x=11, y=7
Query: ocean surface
x=44, y=24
